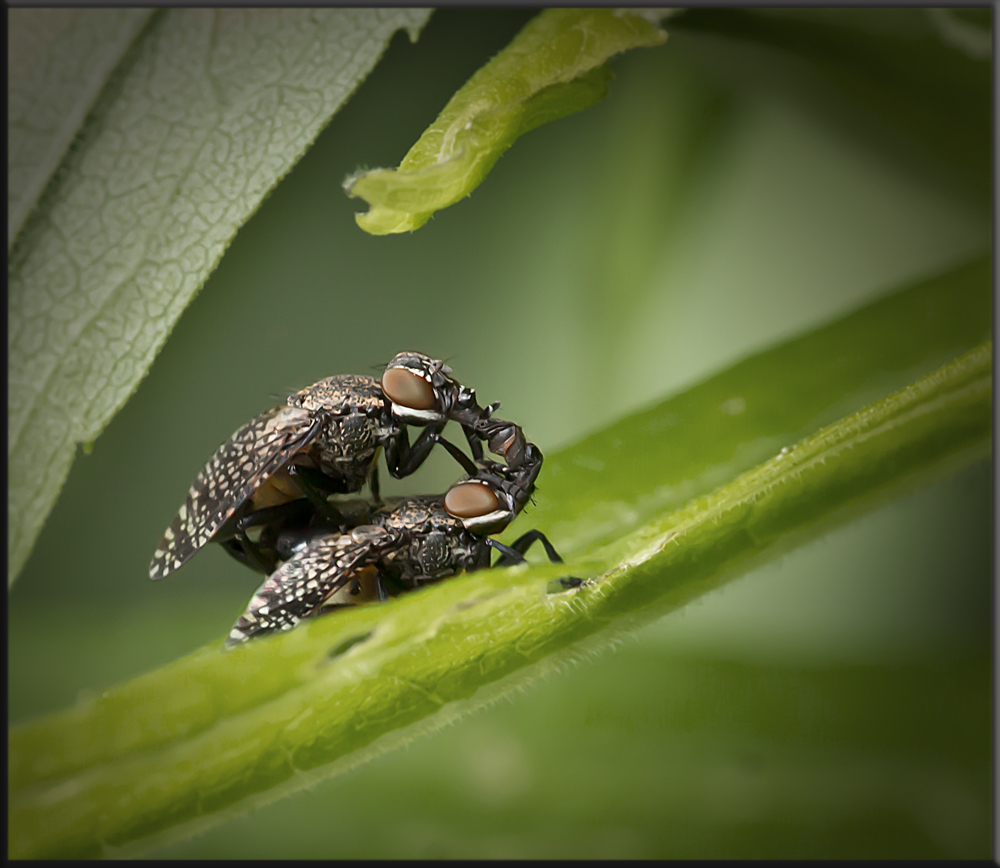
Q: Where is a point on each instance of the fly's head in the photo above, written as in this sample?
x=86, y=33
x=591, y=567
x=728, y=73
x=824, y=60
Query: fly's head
x=490, y=499
x=421, y=389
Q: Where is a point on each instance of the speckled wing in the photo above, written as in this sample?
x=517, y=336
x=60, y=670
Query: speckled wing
x=238, y=468
x=301, y=585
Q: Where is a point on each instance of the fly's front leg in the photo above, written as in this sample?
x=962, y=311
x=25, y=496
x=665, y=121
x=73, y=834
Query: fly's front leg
x=508, y=556
x=403, y=459
x=472, y=418
x=514, y=553
x=523, y=543
x=506, y=440
x=475, y=445
x=459, y=455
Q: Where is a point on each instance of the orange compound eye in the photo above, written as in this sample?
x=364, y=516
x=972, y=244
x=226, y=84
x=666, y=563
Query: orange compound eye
x=470, y=500
x=407, y=389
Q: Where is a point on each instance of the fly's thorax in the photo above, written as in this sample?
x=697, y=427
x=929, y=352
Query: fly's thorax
x=419, y=514
x=347, y=447
x=350, y=434
x=342, y=394
x=432, y=556
x=436, y=554
x=437, y=543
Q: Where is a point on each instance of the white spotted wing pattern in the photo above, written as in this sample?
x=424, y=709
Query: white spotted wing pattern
x=301, y=585
x=237, y=469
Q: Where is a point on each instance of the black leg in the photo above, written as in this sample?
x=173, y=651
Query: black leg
x=459, y=456
x=508, y=556
x=308, y=480
x=294, y=512
x=317, y=479
x=260, y=556
x=373, y=486
x=249, y=554
x=523, y=543
x=475, y=444
x=330, y=607
x=401, y=458
x=232, y=547
x=514, y=553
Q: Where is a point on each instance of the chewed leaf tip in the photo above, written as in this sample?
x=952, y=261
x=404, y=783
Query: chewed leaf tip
x=554, y=67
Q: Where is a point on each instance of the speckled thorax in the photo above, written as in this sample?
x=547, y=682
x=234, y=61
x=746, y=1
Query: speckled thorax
x=355, y=419
x=439, y=544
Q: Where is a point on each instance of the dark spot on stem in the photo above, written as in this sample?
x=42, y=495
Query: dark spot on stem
x=348, y=644
x=564, y=583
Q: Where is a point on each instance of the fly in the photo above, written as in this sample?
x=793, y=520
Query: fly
x=420, y=540
x=279, y=469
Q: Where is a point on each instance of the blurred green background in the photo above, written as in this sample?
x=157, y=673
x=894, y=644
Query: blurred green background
x=734, y=190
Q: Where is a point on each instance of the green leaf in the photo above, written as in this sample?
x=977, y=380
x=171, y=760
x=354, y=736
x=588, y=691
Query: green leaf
x=554, y=67
x=203, y=116
x=60, y=60
x=181, y=748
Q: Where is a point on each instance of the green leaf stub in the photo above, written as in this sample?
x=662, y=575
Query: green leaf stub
x=554, y=67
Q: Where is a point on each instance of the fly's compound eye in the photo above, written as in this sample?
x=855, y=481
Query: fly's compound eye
x=407, y=389
x=470, y=500
x=476, y=506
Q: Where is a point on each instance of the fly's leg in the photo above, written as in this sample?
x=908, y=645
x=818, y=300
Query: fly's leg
x=401, y=458
x=503, y=438
x=475, y=421
x=459, y=455
x=523, y=543
x=475, y=445
x=261, y=555
x=232, y=536
x=373, y=486
x=317, y=479
x=330, y=607
x=514, y=553
x=315, y=486
x=249, y=554
x=508, y=555
x=293, y=512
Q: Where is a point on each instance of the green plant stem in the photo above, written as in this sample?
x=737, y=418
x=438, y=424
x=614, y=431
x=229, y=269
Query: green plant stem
x=435, y=649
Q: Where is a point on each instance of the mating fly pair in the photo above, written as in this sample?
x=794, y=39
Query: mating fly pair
x=277, y=471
